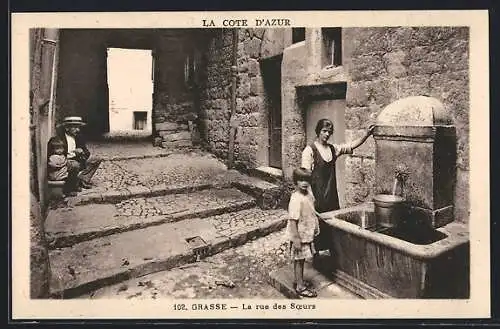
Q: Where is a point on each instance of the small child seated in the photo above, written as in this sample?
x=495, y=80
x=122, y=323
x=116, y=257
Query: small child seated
x=302, y=227
x=57, y=165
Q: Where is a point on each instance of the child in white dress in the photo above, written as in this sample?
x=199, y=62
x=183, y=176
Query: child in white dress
x=57, y=165
x=302, y=227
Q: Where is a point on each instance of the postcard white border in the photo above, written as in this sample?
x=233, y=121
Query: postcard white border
x=478, y=306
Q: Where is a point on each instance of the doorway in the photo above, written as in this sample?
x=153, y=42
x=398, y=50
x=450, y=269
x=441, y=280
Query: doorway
x=130, y=88
x=271, y=75
x=335, y=111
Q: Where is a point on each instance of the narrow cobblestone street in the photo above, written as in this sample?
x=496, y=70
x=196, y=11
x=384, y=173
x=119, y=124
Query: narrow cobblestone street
x=125, y=166
x=127, y=150
x=176, y=225
x=145, y=229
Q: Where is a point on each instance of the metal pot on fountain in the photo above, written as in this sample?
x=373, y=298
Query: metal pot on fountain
x=390, y=208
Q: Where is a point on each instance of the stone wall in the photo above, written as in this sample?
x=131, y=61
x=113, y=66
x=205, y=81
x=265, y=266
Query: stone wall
x=386, y=64
x=36, y=36
x=39, y=256
x=215, y=92
x=40, y=78
x=294, y=70
x=173, y=103
x=250, y=115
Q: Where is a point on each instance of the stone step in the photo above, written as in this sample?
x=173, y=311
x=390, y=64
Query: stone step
x=90, y=265
x=118, y=150
x=160, y=153
x=268, y=195
x=126, y=136
x=67, y=226
x=269, y=174
x=96, y=196
x=282, y=279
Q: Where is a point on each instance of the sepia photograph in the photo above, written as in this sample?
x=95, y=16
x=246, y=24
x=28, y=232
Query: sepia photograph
x=287, y=165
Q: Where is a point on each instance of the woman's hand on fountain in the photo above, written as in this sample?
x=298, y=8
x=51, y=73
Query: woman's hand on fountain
x=356, y=143
x=371, y=128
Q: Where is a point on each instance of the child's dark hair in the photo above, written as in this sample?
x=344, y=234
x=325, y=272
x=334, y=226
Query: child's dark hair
x=301, y=174
x=323, y=123
x=53, y=144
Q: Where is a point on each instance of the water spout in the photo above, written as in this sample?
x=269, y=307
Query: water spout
x=401, y=174
x=394, y=186
x=389, y=208
x=363, y=219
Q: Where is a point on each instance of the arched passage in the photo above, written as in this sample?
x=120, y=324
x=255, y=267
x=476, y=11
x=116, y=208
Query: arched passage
x=82, y=84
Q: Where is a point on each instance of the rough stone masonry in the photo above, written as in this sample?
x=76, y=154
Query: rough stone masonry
x=379, y=66
x=254, y=45
x=387, y=64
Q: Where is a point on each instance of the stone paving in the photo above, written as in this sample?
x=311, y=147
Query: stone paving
x=246, y=266
x=150, y=187
x=229, y=223
x=155, y=248
x=175, y=169
x=118, y=180
x=179, y=203
x=67, y=226
x=130, y=149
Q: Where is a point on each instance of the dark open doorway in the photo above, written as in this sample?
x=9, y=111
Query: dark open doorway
x=271, y=74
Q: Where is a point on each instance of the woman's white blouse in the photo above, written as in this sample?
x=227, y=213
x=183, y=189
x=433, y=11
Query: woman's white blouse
x=325, y=152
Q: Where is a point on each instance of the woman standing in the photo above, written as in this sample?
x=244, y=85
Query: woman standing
x=319, y=157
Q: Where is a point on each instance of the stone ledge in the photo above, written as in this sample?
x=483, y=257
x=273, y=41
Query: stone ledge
x=328, y=74
x=178, y=144
x=120, y=276
x=67, y=239
x=282, y=279
x=358, y=287
x=160, y=153
x=130, y=157
x=215, y=245
x=127, y=135
x=170, y=126
x=66, y=227
x=268, y=195
x=269, y=174
x=325, y=91
x=114, y=196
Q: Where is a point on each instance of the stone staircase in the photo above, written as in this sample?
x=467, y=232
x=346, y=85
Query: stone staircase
x=103, y=238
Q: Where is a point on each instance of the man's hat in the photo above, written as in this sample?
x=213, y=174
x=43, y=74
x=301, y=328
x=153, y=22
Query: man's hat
x=72, y=121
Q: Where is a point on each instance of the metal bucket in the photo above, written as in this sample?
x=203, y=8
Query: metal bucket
x=389, y=209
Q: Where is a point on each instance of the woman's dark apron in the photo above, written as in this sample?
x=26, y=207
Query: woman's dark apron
x=324, y=187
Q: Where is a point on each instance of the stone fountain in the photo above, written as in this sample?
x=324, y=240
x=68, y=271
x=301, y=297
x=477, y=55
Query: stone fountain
x=406, y=243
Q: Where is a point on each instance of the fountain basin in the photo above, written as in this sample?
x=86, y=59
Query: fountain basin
x=374, y=261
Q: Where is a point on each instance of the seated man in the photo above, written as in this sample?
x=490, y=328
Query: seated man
x=80, y=167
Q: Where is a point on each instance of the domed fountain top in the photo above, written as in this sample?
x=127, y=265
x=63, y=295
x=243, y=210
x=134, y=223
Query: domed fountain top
x=414, y=111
